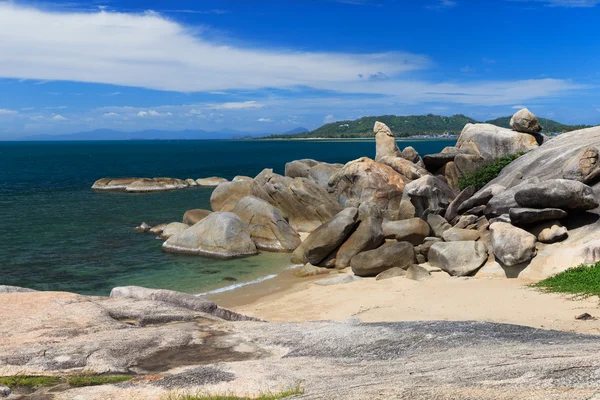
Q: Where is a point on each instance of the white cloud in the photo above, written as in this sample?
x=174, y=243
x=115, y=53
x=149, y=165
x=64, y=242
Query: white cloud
x=142, y=114
x=111, y=115
x=153, y=113
x=518, y=107
x=566, y=3
x=148, y=50
x=264, y=120
x=237, y=105
x=4, y=111
x=59, y=117
x=328, y=119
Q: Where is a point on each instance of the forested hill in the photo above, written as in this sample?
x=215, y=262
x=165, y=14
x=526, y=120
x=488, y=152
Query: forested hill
x=403, y=126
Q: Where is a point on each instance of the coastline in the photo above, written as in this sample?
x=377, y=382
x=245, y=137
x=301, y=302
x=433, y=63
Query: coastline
x=287, y=298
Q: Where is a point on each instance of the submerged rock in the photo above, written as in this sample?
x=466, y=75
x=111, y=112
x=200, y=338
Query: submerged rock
x=220, y=235
x=309, y=270
x=143, y=227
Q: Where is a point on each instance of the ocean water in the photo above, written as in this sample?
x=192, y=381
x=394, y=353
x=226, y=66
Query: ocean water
x=58, y=234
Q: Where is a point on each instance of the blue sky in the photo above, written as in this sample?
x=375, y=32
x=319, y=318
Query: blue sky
x=271, y=66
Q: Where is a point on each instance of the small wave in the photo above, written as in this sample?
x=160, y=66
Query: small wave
x=238, y=285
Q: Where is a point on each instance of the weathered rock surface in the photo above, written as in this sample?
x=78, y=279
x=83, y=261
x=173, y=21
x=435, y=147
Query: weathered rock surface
x=493, y=142
x=143, y=228
x=211, y=182
x=192, y=217
x=220, y=235
x=157, y=230
x=269, y=229
x=310, y=270
x=583, y=166
x=191, y=182
x=368, y=236
x=385, y=142
x=373, y=262
x=429, y=195
x=4, y=391
x=460, y=235
x=481, y=198
x=173, y=229
x=502, y=202
x=239, y=178
x=391, y=273
x=557, y=193
x=409, y=153
x=227, y=194
x=326, y=238
x=413, y=230
x=404, y=167
x=115, y=184
x=14, y=289
x=521, y=216
x=452, y=211
x=417, y=273
x=524, y=121
x=550, y=232
x=433, y=162
x=306, y=204
x=512, y=245
x=319, y=172
x=365, y=180
x=458, y=258
x=139, y=185
x=465, y=220
x=438, y=224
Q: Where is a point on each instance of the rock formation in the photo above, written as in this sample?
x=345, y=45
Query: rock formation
x=385, y=142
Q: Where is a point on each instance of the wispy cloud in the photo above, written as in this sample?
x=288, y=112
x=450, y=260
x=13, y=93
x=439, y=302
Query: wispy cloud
x=264, y=120
x=191, y=11
x=442, y=4
x=237, y=105
x=4, y=111
x=59, y=117
x=566, y=3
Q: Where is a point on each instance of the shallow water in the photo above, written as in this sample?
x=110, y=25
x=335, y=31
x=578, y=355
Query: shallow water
x=58, y=234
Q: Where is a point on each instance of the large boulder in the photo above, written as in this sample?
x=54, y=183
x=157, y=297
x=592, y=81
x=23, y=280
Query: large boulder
x=365, y=180
x=452, y=211
x=326, y=238
x=319, y=172
x=368, y=236
x=438, y=224
x=413, y=230
x=409, y=153
x=492, y=142
x=550, y=232
x=429, y=195
x=373, y=262
x=173, y=229
x=113, y=184
x=404, y=167
x=220, y=235
x=524, y=121
x=194, y=216
x=481, y=198
x=306, y=204
x=211, y=182
x=227, y=194
x=512, y=245
x=460, y=235
x=458, y=258
x=433, y=162
x=523, y=216
x=557, y=193
x=385, y=141
x=269, y=229
x=503, y=201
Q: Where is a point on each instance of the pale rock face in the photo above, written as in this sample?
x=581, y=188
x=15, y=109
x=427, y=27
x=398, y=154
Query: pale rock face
x=458, y=258
x=227, y=194
x=524, y=121
x=493, y=142
x=512, y=245
x=404, y=167
x=211, y=182
x=417, y=273
x=194, y=216
x=429, y=195
x=582, y=166
x=385, y=142
x=220, y=235
x=173, y=229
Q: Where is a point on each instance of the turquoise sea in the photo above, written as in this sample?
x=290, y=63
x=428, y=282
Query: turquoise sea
x=58, y=234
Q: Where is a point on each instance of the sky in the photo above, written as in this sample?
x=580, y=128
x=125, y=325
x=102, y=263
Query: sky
x=271, y=66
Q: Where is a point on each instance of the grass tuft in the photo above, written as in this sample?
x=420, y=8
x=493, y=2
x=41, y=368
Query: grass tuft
x=582, y=281
x=91, y=380
x=265, y=396
x=488, y=172
x=29, y=381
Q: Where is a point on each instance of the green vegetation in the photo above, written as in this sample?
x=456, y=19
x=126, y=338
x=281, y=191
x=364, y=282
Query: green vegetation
x=411, y=125
x=29, y=381
x=485, y=174
x=76, y=380
x=265, y=396
x=91, y=380
x=582, y=281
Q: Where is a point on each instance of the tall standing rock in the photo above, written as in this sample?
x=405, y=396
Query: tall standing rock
x=524, y=121
x=385, y=142
x=269, y=230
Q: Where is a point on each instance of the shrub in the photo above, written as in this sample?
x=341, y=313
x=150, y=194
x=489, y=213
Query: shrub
x=485, y=174
x=91, y=380
x=28, y=381
x=582, y=281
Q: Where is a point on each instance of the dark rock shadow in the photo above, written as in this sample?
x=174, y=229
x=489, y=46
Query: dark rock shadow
x=579, y=219
x=514, y=271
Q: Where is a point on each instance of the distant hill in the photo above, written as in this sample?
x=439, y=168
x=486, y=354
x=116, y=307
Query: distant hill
x=296, y=130
x=411, y=125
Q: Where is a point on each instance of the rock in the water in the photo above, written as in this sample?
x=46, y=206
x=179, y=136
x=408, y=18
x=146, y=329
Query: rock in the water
x=512, y=245
x=522, y=216
x=417, y=273
x=373, y=262
x=550, y=232
x=14, y=289
x=429, y=195
x=269, y=230
x=385, y=141
x=192, y=217
x=211, y=182
x=438, y=224
x=404, y=167
x=460, y=235
x=452, y=211
x=412, y=230
x=113, y=184
x=172, y=229
x=481, y=198
x=326, y=238
x=239, y=178
x=157, y=230
x=493, y=142
x=143, y=227
x=220, y=235
x=227, y=194
x=365, y=180
x=524, y=121
x=337, y=280
x=557, y=193
x=368, y=236
x=191, y=182
x=146, y=185
x=306, y=204
x=391, y=273
x=458, y=258
x=309, y=270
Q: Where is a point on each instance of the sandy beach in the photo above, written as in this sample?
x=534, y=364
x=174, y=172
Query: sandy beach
x=510, y=301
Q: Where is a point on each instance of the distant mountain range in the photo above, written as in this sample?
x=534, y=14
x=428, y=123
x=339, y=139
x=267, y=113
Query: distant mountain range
x=411, y=125
x=109, y=134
